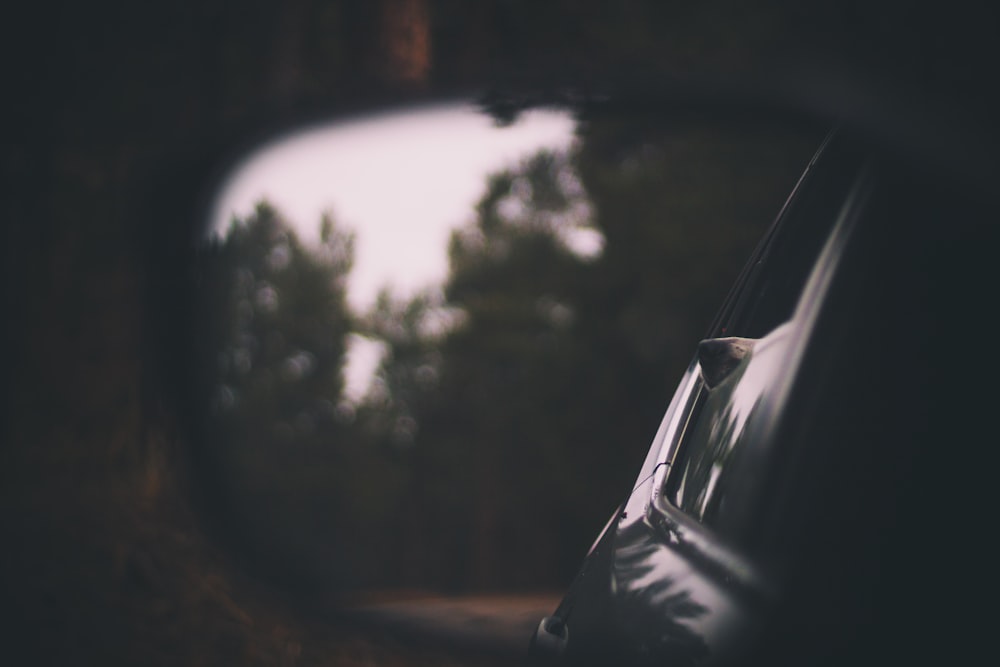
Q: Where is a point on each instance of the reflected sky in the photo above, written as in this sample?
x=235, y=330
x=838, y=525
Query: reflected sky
x=400, y=181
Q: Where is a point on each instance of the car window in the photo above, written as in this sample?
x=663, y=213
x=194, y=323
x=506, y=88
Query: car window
x=706, y=479
x=714, y=441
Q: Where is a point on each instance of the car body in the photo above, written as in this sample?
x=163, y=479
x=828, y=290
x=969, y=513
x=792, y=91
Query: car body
x=785, y=511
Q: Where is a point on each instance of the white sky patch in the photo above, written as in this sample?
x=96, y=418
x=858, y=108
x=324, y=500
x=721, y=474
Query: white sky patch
x=401, y=182
x=363, y=358
x=587, y=243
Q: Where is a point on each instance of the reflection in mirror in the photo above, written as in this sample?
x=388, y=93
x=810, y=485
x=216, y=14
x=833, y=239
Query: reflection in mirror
x=433, y=349
x=327, y=249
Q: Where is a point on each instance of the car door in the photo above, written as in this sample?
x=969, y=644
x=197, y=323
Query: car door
x=674, y=575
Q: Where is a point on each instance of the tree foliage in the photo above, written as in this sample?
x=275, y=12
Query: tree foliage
x=275, y=323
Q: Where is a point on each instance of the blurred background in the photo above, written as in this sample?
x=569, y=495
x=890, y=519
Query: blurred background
x=187, y=476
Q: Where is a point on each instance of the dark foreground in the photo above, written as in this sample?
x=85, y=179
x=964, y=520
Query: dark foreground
x=488, y=627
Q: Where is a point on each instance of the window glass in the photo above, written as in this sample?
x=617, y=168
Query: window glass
x=713, y=444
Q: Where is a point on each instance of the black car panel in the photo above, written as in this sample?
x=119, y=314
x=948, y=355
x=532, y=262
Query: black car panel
x=677, y=578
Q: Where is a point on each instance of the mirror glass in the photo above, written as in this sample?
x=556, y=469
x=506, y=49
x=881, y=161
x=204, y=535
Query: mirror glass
x=433, y=347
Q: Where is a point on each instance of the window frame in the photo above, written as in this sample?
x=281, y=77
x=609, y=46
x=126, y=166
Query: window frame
x=706, y=541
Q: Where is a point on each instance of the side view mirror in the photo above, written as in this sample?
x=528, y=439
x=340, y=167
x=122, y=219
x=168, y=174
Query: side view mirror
x=397, y=313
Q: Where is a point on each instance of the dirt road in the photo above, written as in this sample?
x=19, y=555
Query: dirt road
x=498, y=625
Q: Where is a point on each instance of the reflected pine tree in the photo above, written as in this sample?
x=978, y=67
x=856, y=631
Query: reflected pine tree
x=281, y=347
x=275, y=322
